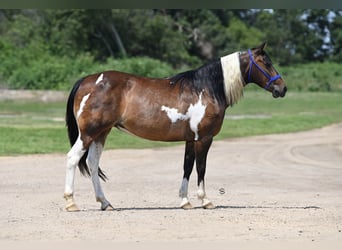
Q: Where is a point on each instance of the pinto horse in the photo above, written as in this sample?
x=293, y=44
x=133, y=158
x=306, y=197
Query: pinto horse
x=189, y=107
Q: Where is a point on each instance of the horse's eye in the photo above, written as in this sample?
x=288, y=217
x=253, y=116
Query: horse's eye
x=268, y=63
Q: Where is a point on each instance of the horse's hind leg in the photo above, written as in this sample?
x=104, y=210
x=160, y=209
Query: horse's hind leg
x=93, y=159
x=74, y=156
x=189, y=159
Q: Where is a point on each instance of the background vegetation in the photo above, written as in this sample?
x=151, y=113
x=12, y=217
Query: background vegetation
x=51, y=49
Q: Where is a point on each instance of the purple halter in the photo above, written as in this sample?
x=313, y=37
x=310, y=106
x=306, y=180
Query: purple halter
x=271, y=79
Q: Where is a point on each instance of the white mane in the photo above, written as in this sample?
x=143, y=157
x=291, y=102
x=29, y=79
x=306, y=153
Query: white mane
x=233, y=81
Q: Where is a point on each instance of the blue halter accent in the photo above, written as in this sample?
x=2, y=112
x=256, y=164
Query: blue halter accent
x=271, y=79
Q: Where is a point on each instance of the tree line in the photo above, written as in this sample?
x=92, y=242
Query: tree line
x=178, y=37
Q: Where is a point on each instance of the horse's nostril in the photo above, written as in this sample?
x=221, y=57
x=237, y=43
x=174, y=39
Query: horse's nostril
x=282, y=94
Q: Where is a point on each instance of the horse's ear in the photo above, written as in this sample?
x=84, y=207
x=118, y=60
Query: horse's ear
x=262, y=46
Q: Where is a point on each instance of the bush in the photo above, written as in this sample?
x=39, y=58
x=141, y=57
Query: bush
x=35, y=68
x=142, y=66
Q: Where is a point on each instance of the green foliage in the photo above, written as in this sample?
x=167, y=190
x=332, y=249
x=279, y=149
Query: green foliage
x=48, y=49
x=34, y=68
x=313, y=77
x=244, y=36
x=336, y=36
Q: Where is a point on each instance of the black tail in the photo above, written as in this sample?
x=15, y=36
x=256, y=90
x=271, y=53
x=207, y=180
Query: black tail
x=73, y=131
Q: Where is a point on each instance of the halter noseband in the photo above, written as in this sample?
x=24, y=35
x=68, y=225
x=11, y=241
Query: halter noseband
x=271, y=79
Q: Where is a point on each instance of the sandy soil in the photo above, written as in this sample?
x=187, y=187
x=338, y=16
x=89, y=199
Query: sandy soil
x=276, y=188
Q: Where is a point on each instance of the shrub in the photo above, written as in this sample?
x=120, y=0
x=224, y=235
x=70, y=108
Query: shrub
x=35, y=68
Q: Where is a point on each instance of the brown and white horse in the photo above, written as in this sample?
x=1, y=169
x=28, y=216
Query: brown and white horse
x=187, y=107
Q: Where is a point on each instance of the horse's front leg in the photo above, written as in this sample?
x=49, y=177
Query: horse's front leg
x=93, y=159
x=201, y=150
x=189, y=159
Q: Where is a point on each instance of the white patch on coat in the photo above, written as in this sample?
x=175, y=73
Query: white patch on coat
x=99, y=79
x=173, y=114
x=83, y=102
x=233, y=81
x=194, y=114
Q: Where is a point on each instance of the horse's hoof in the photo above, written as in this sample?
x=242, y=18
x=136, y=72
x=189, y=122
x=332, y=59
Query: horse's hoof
x=108, y=207
x=72, y=208
x=208, y=205
x=186, y=204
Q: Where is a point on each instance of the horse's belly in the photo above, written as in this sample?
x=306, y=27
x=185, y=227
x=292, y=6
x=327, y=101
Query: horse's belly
x=159, y=130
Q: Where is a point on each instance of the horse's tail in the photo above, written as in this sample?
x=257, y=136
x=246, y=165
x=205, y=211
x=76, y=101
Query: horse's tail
x=73, y=131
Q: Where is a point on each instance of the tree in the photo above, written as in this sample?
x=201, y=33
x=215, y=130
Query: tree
x=244, y=36
x=296, y=35
x=336, y=37
x=316, y=22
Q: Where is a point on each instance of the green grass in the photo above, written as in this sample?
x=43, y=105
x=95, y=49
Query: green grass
x=35, y=127
x=317, y=76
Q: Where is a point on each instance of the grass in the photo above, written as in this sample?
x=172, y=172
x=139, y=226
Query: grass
x=36, y=127
x=317, y=76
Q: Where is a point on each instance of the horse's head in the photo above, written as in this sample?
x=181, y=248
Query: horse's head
x=257, y=67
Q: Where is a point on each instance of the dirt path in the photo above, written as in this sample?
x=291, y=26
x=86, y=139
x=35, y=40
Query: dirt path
x=278, y=187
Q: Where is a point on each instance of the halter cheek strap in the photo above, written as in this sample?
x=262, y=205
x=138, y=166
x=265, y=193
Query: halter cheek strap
x=271, y=79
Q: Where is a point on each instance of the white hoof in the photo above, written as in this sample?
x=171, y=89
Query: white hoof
x=186, y=204
x=206, y=204
x=72, y=207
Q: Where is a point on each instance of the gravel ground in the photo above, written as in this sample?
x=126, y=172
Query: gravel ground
x=273, y=188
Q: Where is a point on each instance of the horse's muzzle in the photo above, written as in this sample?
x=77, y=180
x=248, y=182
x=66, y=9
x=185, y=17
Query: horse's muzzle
x=279, y=92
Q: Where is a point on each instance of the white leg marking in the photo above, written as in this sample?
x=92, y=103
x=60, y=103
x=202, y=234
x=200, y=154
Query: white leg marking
x=206, y=203
x=201, y=191
x=194, y=114
x=183, y=193
x=74, y=156
x=93, y=160
x=99, y=79
x=83, y=102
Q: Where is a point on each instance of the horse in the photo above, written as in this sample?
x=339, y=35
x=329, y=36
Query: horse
x=189, y=106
